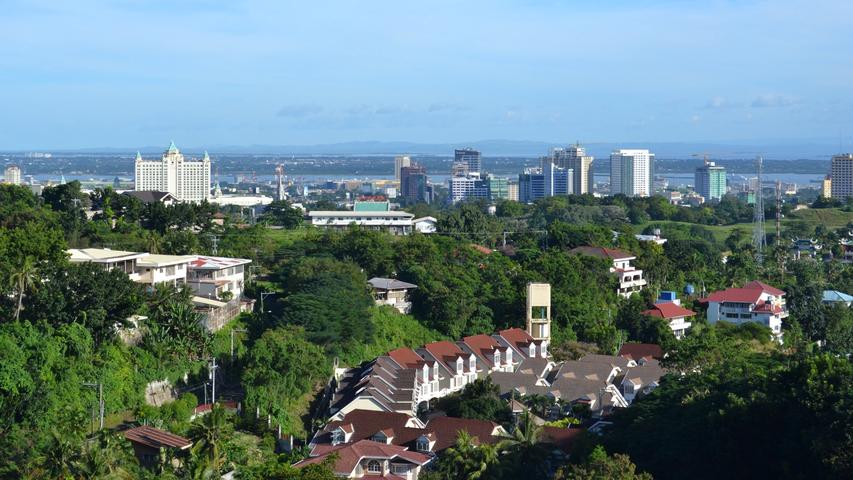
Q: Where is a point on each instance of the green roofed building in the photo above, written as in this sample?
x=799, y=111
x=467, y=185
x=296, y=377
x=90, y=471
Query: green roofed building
x=710, y=181
x=372, y=206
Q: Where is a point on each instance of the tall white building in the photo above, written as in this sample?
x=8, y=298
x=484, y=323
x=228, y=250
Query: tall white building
x=399, y=163
x=842, y=176
x=576, y=159
x=632, y=172
x=12, y=175
x=186, y=180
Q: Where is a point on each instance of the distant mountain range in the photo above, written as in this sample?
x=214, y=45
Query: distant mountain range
x=781, y=149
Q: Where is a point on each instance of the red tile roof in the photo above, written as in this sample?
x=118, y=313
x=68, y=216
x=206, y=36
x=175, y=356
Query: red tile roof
x=483, y=345
x=349, y=455
x=749, y=293
x=517, y=337
x=156, y=438
x=668, y=310
x=562, y=438
x=445, y=352
x=406, y=357
x=636, y=351
x=603, y=252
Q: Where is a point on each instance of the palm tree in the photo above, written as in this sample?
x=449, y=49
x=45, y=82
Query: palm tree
x=107, y=458
x=24, y=280
x=529, y=455
x=465, y=461
x=59, y=460
x=210, y=434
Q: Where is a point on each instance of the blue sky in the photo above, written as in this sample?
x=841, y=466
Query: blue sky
x=205, y=73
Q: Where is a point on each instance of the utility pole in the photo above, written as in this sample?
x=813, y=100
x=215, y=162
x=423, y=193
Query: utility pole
x=264, y=294
x=213, y=368
x=759, y=240
x=100, y=387
x=215, y=240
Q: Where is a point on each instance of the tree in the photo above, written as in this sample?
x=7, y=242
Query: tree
x=86, y=293
x=479, y=399
x=282, y=213
x=464, y=460
x=109, y=456
x=282, y=366
x=25, y=280
x=525, y=456
x=210, y=434
x=600, y=466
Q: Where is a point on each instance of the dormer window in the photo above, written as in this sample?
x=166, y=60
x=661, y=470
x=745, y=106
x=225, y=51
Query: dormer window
x=532, y=350
x=472, y=364
x=426, y=373
x=509, y=356
x=459, y=366
x=337, y=437
x=497, y=359
x=543, y=352
x=422, y=444
x=435, y=370
x=374, y=466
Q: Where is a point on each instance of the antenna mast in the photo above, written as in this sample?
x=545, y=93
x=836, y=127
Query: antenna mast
x=759, y=239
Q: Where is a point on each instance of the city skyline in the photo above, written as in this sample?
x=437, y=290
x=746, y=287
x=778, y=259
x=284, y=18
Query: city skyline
x=254, y=72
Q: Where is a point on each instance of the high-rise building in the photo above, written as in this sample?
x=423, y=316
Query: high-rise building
x=187, y=181
x=632, y=172
x=710, y=181
x=546, y=181
x=470, y=158
x=576, y=159
x=399, y=163
x=413, y=184
x=842, y=176
x=498, y=187
x=826, y=187
x=12, y=175
x=512, y=191
x=467, y=188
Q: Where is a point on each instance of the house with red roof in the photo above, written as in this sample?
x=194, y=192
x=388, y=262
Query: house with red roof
x=675, y=316
x=630, y=279
x=151, y=445
x=754, y=302
x=366, y=458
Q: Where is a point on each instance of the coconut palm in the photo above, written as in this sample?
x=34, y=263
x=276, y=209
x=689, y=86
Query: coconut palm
x=109, y=456
x=25, y=279
x=464, y=460
x=529, y=456
x=208, y=452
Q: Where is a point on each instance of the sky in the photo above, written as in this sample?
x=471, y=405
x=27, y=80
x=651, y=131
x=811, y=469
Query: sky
x=130, y=73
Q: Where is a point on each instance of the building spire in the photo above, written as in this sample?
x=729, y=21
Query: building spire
x=138, y=156
x=172, y=148
x=206, y=156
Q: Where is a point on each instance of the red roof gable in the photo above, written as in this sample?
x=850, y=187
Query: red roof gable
x=765, y=288
x=350, y=454
x=406, y=357
x=517, y=337
x=483, y=345
x=636, y=351
x=749, y=293
x=445, y=352
x=156, y=438
x=668, y=310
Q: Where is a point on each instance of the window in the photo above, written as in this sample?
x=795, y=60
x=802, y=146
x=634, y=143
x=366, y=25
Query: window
x=401, y=469
x=472, y=364
x=497, y=359
x=423, y=445
x=337, y=437
x=374, y=466
x=459, y=365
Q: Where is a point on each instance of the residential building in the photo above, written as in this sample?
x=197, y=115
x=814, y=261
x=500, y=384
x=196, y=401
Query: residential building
x=400, y=162
x=393, y=292
x=630, y=279
x=654, y=237
x=395, y=222
x=805, y=248
x=670, y=310
x=574, y=158
x=841, y=186
x=425, y=224
x=754, y=302
x=498, y=187
x=710, y=181
x=12, y=175
x=219, y=278
x=152, y=196
x=150, y=444
x=187, y=181
x=467, y=188
x=413, y=184
x=632, y=172
x=163, y=269
x=832, y=297
x=470, y=158
x=846, y=250
x=366, y=458
x=826, y=187
x=109, y=259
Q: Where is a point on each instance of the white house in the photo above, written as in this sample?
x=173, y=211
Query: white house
x=425, y=224
x=396, y=222
x=159, y=269
x=211, y=277
x=754, y=302
x=630, y=279
x=674, y=314
x=109, y=259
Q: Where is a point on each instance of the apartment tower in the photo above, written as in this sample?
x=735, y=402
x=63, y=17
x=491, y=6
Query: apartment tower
x=631, y=172
x=186, y=180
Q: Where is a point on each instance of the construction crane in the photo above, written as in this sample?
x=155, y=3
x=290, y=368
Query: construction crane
x=706, y=157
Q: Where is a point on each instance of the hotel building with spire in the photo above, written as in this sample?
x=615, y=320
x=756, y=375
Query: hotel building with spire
x=186, y=180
